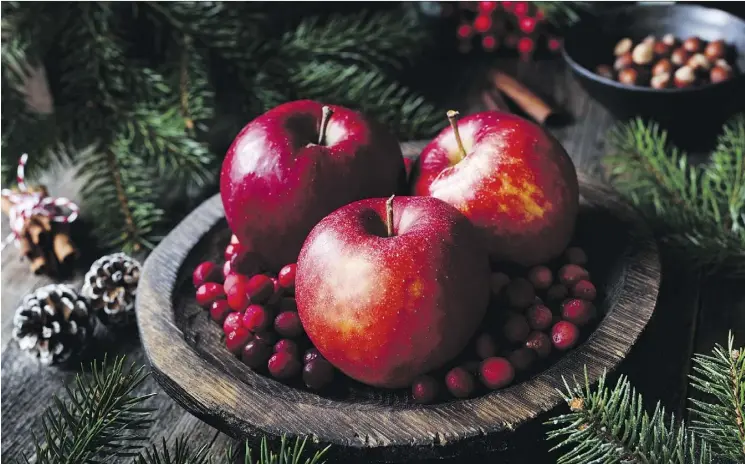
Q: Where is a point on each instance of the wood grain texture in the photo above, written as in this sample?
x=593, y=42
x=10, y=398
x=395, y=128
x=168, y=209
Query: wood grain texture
x=188, y=356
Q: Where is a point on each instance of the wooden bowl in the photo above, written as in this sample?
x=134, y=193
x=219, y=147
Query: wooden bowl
x=188, y=356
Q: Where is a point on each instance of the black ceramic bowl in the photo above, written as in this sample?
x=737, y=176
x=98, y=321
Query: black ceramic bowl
x=694, y=115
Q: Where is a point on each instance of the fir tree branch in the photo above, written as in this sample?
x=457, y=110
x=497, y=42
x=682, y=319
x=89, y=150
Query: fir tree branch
x=181, y=453
x=287, y=454
x=722, y=421
x=610, y=425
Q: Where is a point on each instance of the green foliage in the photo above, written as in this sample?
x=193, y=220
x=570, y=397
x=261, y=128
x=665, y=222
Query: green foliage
x=287, y=454
x=721, y=422
x=609, y=425
x=180, y=453
x=698, y=211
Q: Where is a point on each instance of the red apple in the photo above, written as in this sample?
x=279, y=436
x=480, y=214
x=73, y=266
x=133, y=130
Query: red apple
x=296, y=163
x=389, y=290
x=510, y=177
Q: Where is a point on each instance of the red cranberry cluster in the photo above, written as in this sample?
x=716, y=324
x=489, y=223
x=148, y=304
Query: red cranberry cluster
x=259, y=316
x=531, y=316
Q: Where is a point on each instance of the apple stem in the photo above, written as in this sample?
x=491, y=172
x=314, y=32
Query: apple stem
x=389, y=215
x=327, y=112
x=453, y=118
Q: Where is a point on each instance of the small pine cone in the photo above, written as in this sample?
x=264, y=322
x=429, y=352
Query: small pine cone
x=53, y=323
x=111, y=286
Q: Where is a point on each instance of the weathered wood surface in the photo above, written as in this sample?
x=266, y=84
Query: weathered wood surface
x=692, y=313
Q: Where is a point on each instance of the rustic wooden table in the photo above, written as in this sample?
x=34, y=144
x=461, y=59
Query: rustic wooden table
x=693, y=311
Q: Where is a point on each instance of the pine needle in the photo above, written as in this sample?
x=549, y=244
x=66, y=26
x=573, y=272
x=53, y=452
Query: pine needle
x=180, y=453
x=287, y=454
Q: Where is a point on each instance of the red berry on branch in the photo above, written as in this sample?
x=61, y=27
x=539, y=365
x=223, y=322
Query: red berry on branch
x=208, y=293
x=219, y=311
x=283, y=365
x=288, y=324
x=487, y=7
x=424, y=389
x=465, y=31
x=521, y=8
x=584, y=289
x=539, y=15
x=459, y=382
x=256, y=318
x=554, y=44
x=496, y=373
x=256, y=353
x=564, y=335
x=539, y=317
x=508, y=6
x=482, y=23
x=318, y=373
x=205, y=272
x=540, y=343
x=232, y=322
x=489, y=42
x=527, y=24
x=525, y=45
x=237, y=339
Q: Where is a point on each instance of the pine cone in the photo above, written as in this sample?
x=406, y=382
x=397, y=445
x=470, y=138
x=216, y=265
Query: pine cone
x=110, y=286
x=53, y=323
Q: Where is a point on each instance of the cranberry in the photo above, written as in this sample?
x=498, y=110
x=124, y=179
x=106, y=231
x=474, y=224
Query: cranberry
x=485, y=346
x=539, y=317
x=310, y=355
x=256, y=318
x=540, y=343
x=234, y=279
x=496, y=373
x=234, y=239
x=498, y=281
x=287, y=345
x=259, y=288
x=266, y=336
x=237, y=297
x=288, y=324
x=205, y=272
x=276, y=292
x=232, y=249
x=541, y=277
x=219, y=311
x=318, y=373
x=576, y=255
x=556, y=292
x=424, y=389
x=246, y=263
x=459, y=382
x=584, y=289
x=520, y=293
x=287, y=304
x=226, y=269
x=286, y=278
x=522, y=358
x=570, y=274
x=576, y=311
x=516, y=328
x=564, y=335
x=237, y=339
x=256, y=353
x=232, y=322
x=283, y=365
x=208, y=293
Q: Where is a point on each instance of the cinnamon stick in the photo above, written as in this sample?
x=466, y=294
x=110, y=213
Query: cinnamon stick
x=527, y=100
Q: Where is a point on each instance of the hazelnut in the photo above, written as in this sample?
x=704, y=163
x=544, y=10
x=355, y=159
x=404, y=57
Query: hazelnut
x=679, y=56
x=719, y=74
x=643, y=53
x=684, y=77
x=698, y=62
x=661, y=49
x=715, y=50
x=628, y=76
x=692, y=44
x=660, y=81
x=605, y=71
x=723, y=64
x=624, y=61
x=669, y=40
x=623, y=46
x=664, y=66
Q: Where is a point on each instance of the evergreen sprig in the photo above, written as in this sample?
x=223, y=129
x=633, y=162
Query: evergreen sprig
x=698, y=211
x=287, y=453
x=722, y=422
x=610, y=425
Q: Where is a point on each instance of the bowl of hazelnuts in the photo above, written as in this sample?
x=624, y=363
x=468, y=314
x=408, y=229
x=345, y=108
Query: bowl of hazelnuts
x=681, y=65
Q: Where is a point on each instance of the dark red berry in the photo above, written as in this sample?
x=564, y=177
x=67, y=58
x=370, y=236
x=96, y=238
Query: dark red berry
x=459, y=382
x=246, y=263
x=564, y=335
x=541, y=277
x=232, y=322
x=318, y=373
x=576, y=311
x=498, y=281
x=219, y=310
x=283, y=365
x=205, y=272
x=259, y=288
x=286, y=278
x=310, y=355
x=287, y=304
x=288, y=324
x=226, y=269
x=237, y=297
x=522, y=358
x=266, y=336
x=570, y=274
x=556, y=292
x=516, y=328
x=584, y=289
x=485, y=346
x=539, y=317
x=287, y=345
x=540, y=343
x=520, y=293
x=276, y=292
x=208, y=293
x=232, y=249
x=237, y=339
x=256, y=318
x=424, y=389
x=496, y=373
x=256, y=354
x=576, y=255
